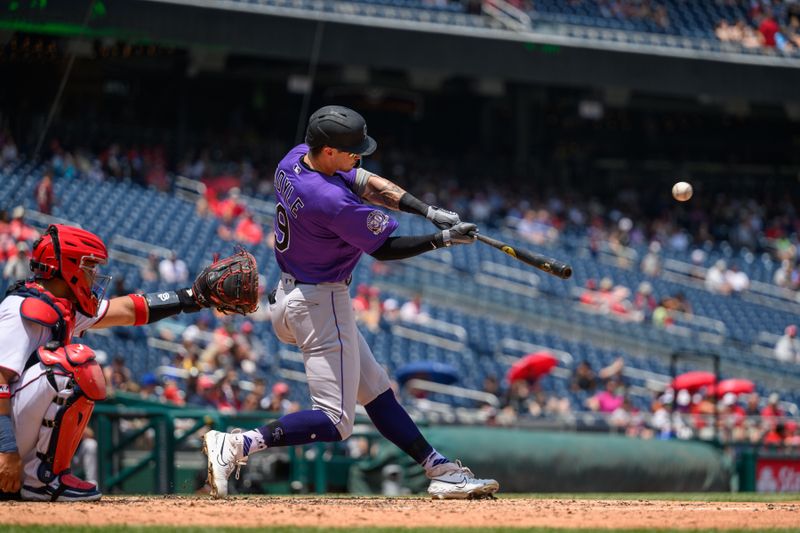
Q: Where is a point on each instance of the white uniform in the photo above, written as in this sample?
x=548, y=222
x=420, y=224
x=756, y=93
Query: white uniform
x=340, y=366
x=31, y=393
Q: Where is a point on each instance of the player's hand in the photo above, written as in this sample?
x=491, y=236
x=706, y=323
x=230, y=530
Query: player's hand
x=461, y=233
x=442, y=218
x=10, y=472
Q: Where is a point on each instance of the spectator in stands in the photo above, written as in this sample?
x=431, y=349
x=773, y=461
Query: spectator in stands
x=519, y=400
x=173, y=394
x=787, y=348
x=199, y=331
x=643, y=301
x=608, y=400
x=414, y=310
x=746, y=35
x=256, y=399
x=678, y=303
x=118, y=376
x=622, y=418
x=716, y=280
x=767, y=29
x=248, y=339
x=148, y=385
x=787, y=276
x=390, y=313
x=583, y=378
x=537, y=227
x=792, y=31
x=661, y=419
x=772, y=410
x=491, y=385
x=736, y=279
x=18, y=229
x=367, y=306
x=792, y=434
x=44, y=194
x=248, y=231
x=651, y=262
x=279, y=401
x=609, y=298
x=230, y=390
x=228, y=210
x=17, y=267
x=775, y=436
x=149, y=270
x=724, y=32
x=172, y=270
x=751, y=406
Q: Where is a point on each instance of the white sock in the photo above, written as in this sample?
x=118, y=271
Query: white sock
x=253, y=442
x=434, y=459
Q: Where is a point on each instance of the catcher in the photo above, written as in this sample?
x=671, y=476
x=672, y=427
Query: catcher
x=48, y=385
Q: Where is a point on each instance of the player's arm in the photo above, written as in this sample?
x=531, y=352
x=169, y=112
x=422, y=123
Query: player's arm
x=404, y=247
x=138, y=309
x=10, y=461
x=378, y=190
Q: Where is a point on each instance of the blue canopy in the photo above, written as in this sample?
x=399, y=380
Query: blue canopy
x=427, y=370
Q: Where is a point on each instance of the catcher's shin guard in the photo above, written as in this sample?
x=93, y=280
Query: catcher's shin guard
x=76, y=381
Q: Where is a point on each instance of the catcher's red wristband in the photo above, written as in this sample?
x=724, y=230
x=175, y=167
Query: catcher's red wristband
x=139, y=309
x=5, y=391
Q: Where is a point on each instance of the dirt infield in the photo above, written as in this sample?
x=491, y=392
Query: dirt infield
x=404, y=512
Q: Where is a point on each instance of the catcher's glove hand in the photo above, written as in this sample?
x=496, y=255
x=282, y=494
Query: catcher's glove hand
x=229, y=284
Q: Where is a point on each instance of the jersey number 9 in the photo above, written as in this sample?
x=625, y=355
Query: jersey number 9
x=281, y=228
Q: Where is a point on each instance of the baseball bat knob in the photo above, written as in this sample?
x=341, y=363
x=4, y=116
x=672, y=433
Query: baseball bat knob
x=564, y=271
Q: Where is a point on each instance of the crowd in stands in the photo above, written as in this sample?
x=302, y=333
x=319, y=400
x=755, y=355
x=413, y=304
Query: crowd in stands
x=770, y=24
x=215, y=362
x=643, y=10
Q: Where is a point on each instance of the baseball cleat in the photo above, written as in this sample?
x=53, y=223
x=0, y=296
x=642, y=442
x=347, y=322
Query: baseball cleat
x=64, y=488
x=453, y=481
x=225, y=452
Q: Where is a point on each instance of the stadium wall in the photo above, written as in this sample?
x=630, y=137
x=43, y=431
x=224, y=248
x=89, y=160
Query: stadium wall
x=546, y=461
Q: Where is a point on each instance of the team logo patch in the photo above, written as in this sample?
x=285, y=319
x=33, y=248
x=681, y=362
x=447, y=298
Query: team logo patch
x=377, y=222
x=296, y=168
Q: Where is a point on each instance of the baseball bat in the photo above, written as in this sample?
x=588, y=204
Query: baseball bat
x=546, y=264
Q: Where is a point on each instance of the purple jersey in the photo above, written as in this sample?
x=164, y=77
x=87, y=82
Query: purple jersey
x=321, y=225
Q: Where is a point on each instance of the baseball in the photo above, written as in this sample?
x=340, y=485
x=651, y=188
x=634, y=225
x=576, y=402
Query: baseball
x=682, y=191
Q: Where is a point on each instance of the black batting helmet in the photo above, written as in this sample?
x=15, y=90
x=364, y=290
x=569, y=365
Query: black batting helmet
x=341, y=128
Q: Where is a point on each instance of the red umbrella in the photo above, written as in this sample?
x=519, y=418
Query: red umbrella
x=692, y=381
x=736, y=386
x=532, y=366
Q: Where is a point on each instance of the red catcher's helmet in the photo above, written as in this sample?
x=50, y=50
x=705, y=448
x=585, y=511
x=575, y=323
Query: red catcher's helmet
x=73, y=254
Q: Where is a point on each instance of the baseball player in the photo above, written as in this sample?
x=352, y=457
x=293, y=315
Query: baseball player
x=48, y=386
x=322, y=227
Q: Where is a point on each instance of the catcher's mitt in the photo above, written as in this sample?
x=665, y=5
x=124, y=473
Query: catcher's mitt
x=229, y=284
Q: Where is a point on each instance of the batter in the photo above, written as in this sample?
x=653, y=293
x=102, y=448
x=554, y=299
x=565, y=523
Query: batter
x=322, y=228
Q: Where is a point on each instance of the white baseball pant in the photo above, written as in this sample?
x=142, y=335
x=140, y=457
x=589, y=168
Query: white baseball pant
x=340, y=366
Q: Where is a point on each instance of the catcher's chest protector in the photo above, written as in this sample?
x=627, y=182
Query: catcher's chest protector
x=41, y=307
x=77, y=382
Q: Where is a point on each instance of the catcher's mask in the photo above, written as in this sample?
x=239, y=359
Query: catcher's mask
x=74, y=255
